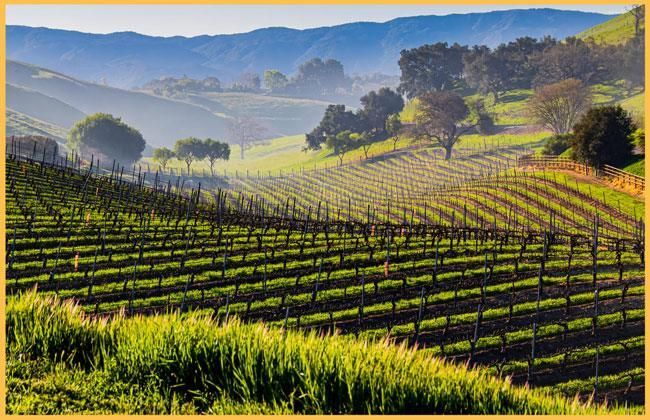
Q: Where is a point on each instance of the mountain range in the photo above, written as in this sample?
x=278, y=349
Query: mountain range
x=128, y=59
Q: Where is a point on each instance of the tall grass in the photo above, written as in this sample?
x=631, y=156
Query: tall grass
x=251, y=363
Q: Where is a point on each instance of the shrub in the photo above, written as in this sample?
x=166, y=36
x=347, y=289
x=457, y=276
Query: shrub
x=603, y=136
x=557, y=144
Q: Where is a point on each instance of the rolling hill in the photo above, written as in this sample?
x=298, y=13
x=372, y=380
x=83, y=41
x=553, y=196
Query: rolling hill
x=613, y=31
x=129, y=59
x=47, y=108
x=19, y=124
x=161, y=121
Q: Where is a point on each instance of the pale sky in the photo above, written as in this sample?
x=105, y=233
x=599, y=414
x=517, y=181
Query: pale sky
x=190, y=20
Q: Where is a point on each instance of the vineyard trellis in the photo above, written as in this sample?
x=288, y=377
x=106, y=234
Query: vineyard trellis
x=548, y=306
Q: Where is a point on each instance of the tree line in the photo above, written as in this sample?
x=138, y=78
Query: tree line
x=191, y=150
x=521, y=64
x=344, y=130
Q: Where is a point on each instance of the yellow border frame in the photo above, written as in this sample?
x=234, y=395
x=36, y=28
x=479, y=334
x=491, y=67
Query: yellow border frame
x=513, y=3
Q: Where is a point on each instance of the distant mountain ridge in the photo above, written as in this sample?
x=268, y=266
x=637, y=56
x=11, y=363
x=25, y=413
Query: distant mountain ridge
x=128, y=59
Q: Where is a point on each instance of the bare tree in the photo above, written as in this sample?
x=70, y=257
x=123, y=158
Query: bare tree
x=559, y=105
x=245, y=131
x=442, y=119
x=638, y=12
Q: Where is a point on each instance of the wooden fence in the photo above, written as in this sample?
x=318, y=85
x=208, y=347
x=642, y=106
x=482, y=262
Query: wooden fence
x=612, y=174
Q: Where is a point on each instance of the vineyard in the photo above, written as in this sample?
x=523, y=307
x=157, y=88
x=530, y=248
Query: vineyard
x=530, y=276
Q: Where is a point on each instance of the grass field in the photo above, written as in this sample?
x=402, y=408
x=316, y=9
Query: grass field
x=281, y=116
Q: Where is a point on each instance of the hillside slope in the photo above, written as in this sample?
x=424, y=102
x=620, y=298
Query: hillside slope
x=45, y=108
x=19, y=124
x=129, y=59
x=613, y=31
x=161, y=121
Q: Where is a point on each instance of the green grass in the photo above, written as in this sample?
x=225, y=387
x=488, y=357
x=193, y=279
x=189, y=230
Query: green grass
x=286, y=154
x=408, y=113
x=19, y=124
x=635, y=104
x=614, y=31
x=636, y=166
x=191, y=362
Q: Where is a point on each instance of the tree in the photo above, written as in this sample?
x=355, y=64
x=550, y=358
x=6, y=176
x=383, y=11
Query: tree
x=163, y=155
x=189, y=150
x=274, y=80
x=335, y=120
x=484, y=118
x=430, y=67
x=245, y=131
x=559, y=105
x=104, y=135
x=486, y=71
x=638, y=12
x=250, y=81
x=571, y=59
x=557, y=144
x=603, y=136
x=630, y=61
x=215, y=150
x=519, y=57
x=342, y=143
x=318, y=77
x=363, y=140
x=377, y=106
x=394, y=128
x=441, y=119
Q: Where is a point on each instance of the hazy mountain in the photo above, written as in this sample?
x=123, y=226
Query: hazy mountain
x=161, y=121
x=129, y=59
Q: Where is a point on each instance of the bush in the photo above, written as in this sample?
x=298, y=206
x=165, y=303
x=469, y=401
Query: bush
x=603, y=136
x=485, y=124
x=557, y=144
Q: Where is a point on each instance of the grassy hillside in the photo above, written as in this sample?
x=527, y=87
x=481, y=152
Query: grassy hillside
x=286, y=154
x=42, y=107
x=281, y=116
x=19, y=124
x=511, y=107
x=192, y=363
x=614, y=31
x=161, y=121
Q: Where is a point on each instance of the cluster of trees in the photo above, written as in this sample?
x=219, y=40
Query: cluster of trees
x=315, y=77
x=106, y=137
x=523, y=63
x=344, y=130
x=192, y=149
x=170, y=86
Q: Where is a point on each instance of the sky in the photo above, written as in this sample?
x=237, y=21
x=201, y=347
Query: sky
x=190, y=20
